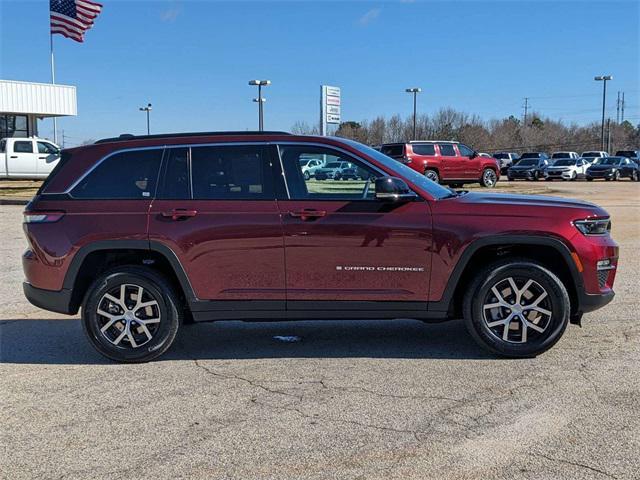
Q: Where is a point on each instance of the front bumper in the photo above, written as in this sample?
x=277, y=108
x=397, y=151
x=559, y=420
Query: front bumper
x=527, y=174
x=559, y=175
x=55, y=301
x=606, y=174
x=590, y=302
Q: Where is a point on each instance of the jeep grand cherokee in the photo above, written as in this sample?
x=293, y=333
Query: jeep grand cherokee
x=144, y=233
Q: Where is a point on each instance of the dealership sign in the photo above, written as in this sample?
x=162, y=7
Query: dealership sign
x=330, y=107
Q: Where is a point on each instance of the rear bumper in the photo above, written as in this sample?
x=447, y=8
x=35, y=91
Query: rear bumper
x=55, y=301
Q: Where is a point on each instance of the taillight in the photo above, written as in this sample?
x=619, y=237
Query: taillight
x=42, y=217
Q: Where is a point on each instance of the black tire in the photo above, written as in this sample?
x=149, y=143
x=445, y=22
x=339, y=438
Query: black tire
x=636, y=176
x=616, y=175
x=489, y=178
x=536, y=176
x=589, y=179
x=156, y=288
x=432, y=174
x=480, y=290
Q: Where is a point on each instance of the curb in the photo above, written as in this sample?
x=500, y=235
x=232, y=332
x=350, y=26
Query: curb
x=14, y=201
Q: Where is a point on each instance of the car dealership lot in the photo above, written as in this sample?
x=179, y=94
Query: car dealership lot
x=362, y=399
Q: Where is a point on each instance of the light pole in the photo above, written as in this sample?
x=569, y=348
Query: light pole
x=415, y=91
x=147, y=109
x=260, y=100
x=603, y=79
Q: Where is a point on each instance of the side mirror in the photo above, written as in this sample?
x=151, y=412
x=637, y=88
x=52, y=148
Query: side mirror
x=393, y=189
x=473, y=155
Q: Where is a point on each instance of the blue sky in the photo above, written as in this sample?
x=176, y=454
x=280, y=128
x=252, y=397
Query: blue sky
x=192, y=60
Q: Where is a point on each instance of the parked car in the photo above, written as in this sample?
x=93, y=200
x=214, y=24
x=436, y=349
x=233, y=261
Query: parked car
x=145, y=233
x=539, y=155
x=505, y=159
x=558, y=155
x=613, y=168
x=335, y=171
x=566, y=169
x=529, y=168
x=632, y=154
x=26, y=158
x=309, y=166
x=449, y=163
x=592, y=156
x=484, y=154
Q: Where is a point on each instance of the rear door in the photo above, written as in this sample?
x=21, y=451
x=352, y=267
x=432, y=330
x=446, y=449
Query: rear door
x=346, y=250
x=216, y=210
x=454, y=167
x=22, y=160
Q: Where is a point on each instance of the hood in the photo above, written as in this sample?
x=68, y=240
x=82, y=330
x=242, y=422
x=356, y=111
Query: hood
x=561, y=167
x=524, y=167
x=524, y=200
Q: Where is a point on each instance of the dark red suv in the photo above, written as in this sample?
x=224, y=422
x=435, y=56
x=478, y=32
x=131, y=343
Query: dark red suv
x=144, y=233
x=449, y=163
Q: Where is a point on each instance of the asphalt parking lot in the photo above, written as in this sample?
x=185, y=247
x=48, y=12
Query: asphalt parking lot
x=363, y=399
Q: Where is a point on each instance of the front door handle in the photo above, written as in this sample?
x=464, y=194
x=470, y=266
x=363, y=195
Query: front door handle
x=308, y=214
x=179, y=213
x=13, y=156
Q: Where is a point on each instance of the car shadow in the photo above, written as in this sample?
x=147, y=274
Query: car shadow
x=63, y=341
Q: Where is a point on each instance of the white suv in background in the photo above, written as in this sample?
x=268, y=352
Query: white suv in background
x=567, y=169
x=309, y=167
x=593, y=156
x=559, y=155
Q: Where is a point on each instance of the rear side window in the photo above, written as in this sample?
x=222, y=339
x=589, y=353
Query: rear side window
x=393, y=150
x=23, y=147
x=447, y=150
x=176, y=183
x=424, y=149
x=238, y=172
x=125, y=176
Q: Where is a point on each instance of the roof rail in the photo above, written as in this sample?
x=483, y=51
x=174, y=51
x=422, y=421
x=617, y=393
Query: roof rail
x=127, y=136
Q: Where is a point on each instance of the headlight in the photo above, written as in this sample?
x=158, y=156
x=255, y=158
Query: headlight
x=595, y=226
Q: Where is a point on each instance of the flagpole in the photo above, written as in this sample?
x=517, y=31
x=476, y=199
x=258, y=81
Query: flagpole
x=53, y=81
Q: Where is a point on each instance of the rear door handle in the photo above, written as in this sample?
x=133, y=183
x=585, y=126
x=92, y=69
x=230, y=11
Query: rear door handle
x=178, y=213
x=308, y=214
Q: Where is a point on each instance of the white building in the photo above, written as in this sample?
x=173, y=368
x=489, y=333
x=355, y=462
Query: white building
x=23, y=103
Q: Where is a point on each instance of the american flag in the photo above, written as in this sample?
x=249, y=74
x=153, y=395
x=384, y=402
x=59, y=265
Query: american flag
x=72, y=18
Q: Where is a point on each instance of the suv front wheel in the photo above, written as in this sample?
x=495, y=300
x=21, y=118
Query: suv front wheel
x=131, y=314
x=516, y=308
x=489, y=178
x=432, y=175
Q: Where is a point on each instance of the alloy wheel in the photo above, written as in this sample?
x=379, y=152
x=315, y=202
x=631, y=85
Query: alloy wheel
x=489, y=178
x=128, y=316
x=517, y=310
x=432, y=175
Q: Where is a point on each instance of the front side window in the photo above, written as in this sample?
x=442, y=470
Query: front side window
x=47, y=148
x=447, y=150
x=341, y=177
x=465, y=151
x=233, y=172
x=126, y=175
x=23, y=147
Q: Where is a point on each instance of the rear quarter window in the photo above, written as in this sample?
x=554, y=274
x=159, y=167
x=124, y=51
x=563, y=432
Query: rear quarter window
x=393, y=150
x=126, y=176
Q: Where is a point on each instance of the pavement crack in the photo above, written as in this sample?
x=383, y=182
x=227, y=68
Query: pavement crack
x=575, y=464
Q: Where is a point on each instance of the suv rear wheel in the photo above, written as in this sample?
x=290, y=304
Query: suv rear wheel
x=131, y=314
x=489, y=178
x=432, y=175
x=516, y=308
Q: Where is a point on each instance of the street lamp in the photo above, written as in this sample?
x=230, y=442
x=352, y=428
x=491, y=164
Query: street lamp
x=603, y=79
x=415, y=91
x=147, y=109
x=260, y=100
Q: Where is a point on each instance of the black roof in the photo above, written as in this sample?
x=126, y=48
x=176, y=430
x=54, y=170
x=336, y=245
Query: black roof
x=128, y=136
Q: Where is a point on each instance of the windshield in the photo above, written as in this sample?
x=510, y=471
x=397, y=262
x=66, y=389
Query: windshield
x=626, y=153
x=565, y=162
x=530, y=155
x=436, y=191
x=528, y=162
x=333, y=165
x=501, y=156
x=609, y=161
x=591, y=154
x=561, y=155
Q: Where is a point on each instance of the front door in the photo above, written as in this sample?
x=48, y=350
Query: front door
x=471, y=162
x=216, y=210
x=48, y=156
x=344, y=249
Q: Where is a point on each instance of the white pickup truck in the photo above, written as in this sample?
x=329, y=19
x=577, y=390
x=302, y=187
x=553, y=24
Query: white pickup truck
x=27, y=157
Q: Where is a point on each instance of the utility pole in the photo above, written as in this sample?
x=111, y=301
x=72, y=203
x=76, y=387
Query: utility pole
x=618, y=108
x=147, y=109
x=603, y=79
x=526, y=110
x=622, y=109
x=608, y=134
x=415, y=91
